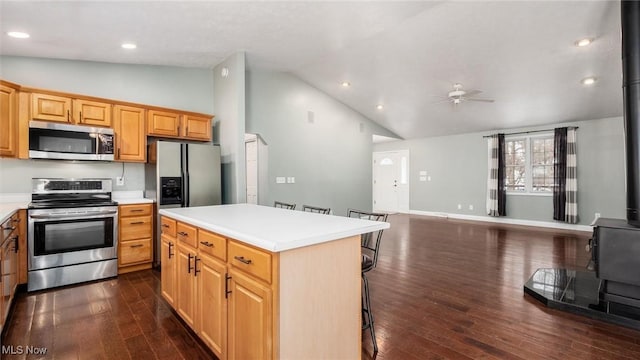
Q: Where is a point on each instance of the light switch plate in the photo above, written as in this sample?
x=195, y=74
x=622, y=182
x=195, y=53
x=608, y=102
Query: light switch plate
x=280, y=180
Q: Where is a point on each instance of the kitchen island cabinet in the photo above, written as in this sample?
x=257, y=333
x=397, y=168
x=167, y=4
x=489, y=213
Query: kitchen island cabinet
x=268, y=283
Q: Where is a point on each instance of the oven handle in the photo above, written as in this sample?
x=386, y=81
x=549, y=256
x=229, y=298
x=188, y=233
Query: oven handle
x=76, y=216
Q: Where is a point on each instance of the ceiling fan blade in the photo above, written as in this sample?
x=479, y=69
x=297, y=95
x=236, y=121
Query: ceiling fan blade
x=480, y=100
x=472, y=92
x=440, y=101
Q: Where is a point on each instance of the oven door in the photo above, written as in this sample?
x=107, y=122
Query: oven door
x=59, y=237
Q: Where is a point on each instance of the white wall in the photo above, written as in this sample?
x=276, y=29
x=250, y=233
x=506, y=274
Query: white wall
x=457, y=165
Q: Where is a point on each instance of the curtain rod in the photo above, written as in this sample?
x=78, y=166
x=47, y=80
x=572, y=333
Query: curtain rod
x=529, y=132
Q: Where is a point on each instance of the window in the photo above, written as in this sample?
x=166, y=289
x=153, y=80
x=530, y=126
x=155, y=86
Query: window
x=529, y=165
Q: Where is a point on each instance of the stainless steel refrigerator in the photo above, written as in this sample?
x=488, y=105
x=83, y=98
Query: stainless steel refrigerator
x=181, y=174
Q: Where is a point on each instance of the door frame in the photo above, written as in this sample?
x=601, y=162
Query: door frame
x=404, y=203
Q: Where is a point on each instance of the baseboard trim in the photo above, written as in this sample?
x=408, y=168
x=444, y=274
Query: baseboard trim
x=501, y=220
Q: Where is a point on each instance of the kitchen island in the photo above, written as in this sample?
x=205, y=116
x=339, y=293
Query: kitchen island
x=257, y=282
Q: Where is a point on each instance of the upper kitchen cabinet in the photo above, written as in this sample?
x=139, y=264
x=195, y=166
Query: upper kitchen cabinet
x=51, y=108
x=196, y=127
x=163, y=123
x=178, y=125
x=8, y=119
x=92, y=113
x=131, y=139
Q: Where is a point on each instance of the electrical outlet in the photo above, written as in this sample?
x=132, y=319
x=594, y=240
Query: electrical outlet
x=470, y=207
x=459, y=206
x=120, y=181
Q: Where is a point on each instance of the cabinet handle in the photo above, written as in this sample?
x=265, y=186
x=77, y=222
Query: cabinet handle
x=195, y=266
x=80, y=116
x=242, y=259
x=165, y=225
x=206, y=243
x=178, y=129
x=137, y=223
x=16, y=220
x=170, y=253
x=136, y=210
x=189, y=264
x=15, y=244
x=118, y=153
x=186, y=130
x=68, y=116
x=136, y=245
x=182, y=233
x=226, y=285
x=10, y=228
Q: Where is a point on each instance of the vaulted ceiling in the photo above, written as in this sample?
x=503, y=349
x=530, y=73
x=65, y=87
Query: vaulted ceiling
x=405, y=56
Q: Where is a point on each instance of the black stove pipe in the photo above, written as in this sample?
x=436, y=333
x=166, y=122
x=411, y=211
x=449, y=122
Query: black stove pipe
x=630, y=12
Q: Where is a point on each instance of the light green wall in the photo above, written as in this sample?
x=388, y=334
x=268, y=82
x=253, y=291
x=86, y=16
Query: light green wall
x=229, y=101
x=329, y=158
x=458, y=168
x=172, y=87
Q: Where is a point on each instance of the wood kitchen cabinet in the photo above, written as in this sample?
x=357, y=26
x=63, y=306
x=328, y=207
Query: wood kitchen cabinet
x=178, y=125
x=50, y=107
x=9, y=242
x=131, y=139
x=8, y=119
x=186, y=281
x=168, y=266
x=92, y=113
x=135, y=246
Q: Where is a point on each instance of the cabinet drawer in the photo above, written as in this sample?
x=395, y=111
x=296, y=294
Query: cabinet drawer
x=135, y=210
x=187, y=234
x=135, y=251
x=9, y=226
x=253, y=261
x=212, y=244
x=168, y=226
x=136, y=227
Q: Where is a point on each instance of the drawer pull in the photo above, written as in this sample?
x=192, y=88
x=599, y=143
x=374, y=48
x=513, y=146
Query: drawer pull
x=10, y=228
x=226, y=285
x=165, y=225
x=195, y=266
x=242, y=259
x=136, y=210
x=206, y=243
x=137, y=223
x=189, y=263
x=182, y=233
x=136, y=245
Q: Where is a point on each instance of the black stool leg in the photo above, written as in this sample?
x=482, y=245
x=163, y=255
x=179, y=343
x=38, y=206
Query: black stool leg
x=367, y=309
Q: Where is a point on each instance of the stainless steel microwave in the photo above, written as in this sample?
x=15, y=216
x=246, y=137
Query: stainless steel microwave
x=69, y=142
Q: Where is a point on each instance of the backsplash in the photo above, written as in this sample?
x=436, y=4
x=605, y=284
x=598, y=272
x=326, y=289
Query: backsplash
x=16, y=175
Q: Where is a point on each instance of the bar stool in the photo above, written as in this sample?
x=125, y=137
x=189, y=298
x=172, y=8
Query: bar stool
x=284, y=205
x=315, y=209
x=370, y=245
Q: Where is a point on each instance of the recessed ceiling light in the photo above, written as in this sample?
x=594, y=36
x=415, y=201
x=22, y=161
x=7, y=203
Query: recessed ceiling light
x=18, y=34
x=380, y=107
x=129, y=46
x=588, y=81
x=584, y=42
x=346, y=84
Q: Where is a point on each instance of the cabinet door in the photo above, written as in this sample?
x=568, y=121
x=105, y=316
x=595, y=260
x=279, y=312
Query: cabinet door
x=51, y=108
x=250, y=318
x=131, y=140
x=212, y=309
x=187, y=289
x=168, y=269
x=8, y=120
x=162, y=123
x=196, y=127
x=92, y=113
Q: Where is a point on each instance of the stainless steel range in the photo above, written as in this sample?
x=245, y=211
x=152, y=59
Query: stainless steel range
x=72, y=232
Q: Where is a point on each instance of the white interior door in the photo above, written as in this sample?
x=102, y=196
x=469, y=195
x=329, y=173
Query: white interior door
x=391, y=181
x=251, y=154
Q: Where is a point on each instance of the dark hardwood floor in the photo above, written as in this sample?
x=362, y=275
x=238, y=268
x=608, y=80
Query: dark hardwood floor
x=442, y=290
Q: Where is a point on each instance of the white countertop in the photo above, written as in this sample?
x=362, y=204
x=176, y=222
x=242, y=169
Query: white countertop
x=270, y=228
x=130, y=197
x=7, y=209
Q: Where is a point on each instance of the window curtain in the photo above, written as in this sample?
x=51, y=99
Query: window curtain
x=565, y=189
x=496, y=193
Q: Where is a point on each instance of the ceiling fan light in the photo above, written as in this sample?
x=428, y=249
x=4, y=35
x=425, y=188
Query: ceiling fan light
x=380, y=107
x=129, y=46
x=588, y=81
x=18, y=34
x=345, y=84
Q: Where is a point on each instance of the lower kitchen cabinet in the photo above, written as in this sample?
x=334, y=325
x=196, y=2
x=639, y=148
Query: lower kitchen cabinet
x=250, y=318
x=135, y=230
x=186, y=281
x=168, y=261
x=211, y=322
x=8, y=265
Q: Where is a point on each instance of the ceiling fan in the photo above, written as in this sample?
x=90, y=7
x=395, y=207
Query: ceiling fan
x=459, y=95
